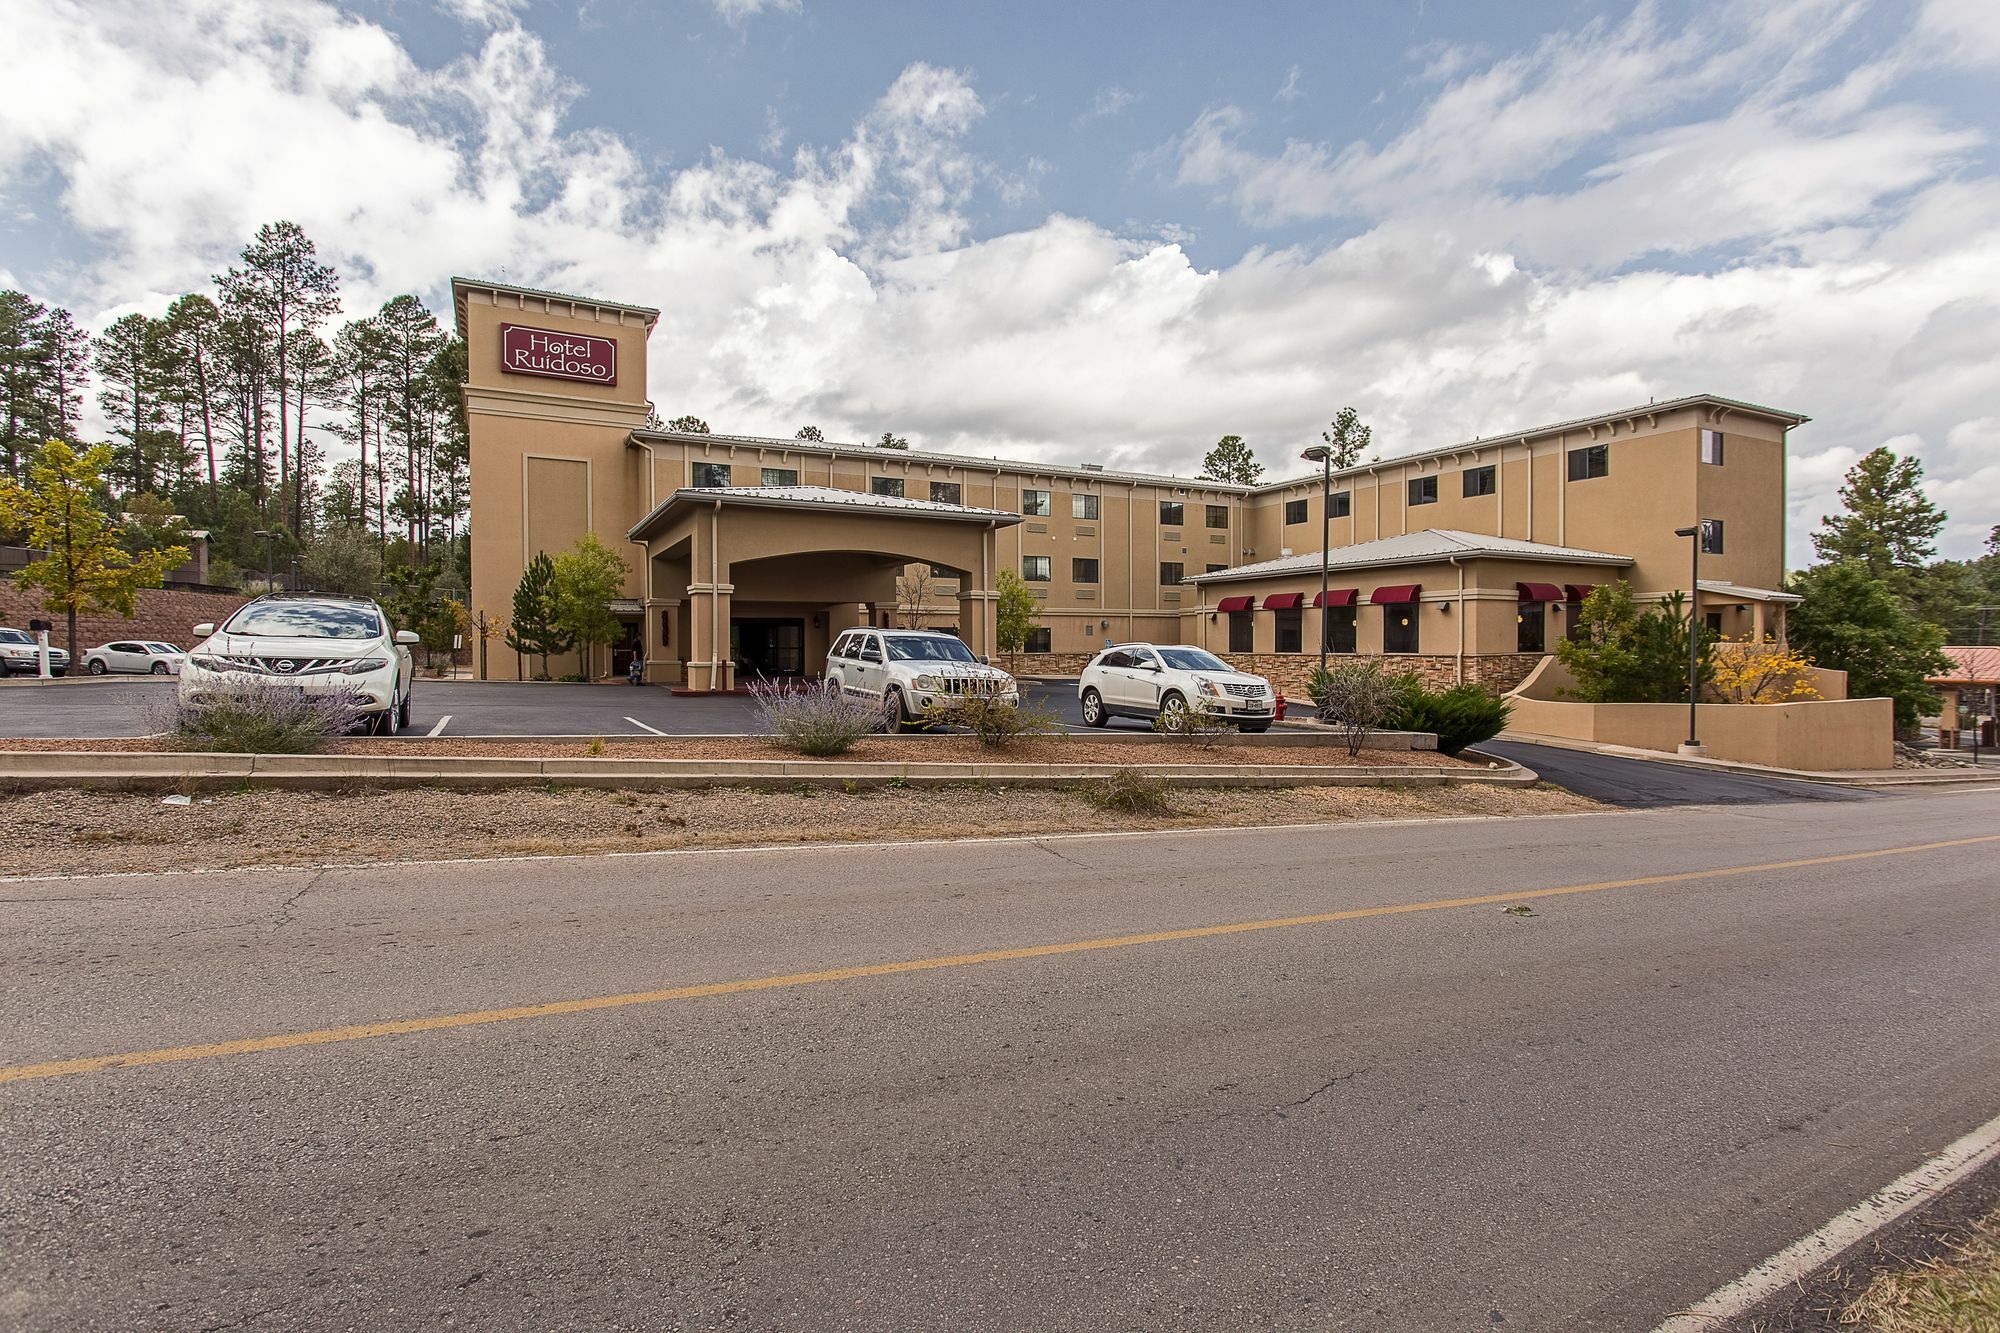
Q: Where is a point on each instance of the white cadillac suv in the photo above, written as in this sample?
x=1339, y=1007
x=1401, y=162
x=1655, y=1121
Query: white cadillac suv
x=313, y=643
x=908, y=670
x=1146, y=680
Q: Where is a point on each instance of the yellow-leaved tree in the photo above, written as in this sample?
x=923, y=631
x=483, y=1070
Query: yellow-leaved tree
x=61, y=509
x=1762, y=673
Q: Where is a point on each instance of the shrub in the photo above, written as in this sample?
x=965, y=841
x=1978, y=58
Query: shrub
x=1199, y=721
x=256, y=717
x=1763, y=673
x=1628, y=656
x=1356, y=698
x=1460, y=716
x=1128, y=791
x=814, y=720
x=996, y=723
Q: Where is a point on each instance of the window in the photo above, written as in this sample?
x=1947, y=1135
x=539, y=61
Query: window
x=1036, y=568
x=1082, y=506
x=1117, y=657
x=1242, y=632
x=1217, y=569
x=1035, y=503
x=1291, y=630
x=1713, y=620
x=891, y=486
x=1192, y=659
x=1038, y=640
x=1423, y=490
x=1590, y=461
x=1531, y=622
x=1399, y=627
x=1218, y=517
x=944, y=572
x=1082, y=571
x=1295, y=511
x=1170, y=573
x=1340, y=629
x=707, y=475
x=1711, y=447
x=1711, y=536
x=1480, y=481
x=1170, y=513
x=948, y=492
x=1343, y=504
x=780, y=476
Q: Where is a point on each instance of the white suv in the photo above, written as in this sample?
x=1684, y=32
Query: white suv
x=315, y=643
x=1150, y=679
x=906, y=670
x=20, y=653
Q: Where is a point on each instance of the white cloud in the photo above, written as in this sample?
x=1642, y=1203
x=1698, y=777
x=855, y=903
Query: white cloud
x=1288, y=91
x=483, y=13
x=1802, y=238
x=1109, y=101
x=738, y=12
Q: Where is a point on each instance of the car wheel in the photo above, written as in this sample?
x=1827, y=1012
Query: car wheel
x=403, y=713
x=1093, y=709
x=391, y=723
x=1171, y=708
x=97, y=667
x=159, y=668
x=897, y=711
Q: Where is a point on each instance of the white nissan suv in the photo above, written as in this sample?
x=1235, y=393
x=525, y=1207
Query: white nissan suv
x=1148, y=679
x=314, y=643
x=908, y=670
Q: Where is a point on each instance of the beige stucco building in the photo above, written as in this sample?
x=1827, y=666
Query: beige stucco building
x=748, y=555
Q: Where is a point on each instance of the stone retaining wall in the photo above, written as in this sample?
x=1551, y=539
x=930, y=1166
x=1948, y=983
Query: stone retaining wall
x=165, y=614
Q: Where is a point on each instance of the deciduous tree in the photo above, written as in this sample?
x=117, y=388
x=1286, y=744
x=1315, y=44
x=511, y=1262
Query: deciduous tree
x=1014, y=612
x=1850, y=621
x=588, y=577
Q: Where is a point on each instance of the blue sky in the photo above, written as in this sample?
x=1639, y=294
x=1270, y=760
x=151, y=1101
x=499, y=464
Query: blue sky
x=1094, y=231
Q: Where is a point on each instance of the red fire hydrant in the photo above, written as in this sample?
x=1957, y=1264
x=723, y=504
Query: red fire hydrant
x=1281, y=708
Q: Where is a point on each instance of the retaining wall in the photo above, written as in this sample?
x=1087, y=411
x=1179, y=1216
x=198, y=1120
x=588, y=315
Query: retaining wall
x=166, y=614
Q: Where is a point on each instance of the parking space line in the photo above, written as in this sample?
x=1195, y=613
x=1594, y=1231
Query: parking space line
x=439, y=728
x=643, y=727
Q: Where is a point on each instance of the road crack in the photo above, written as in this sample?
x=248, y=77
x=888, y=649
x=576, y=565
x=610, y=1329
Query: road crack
x=285, y=908
x=1061, y=856
x=1325, y=1087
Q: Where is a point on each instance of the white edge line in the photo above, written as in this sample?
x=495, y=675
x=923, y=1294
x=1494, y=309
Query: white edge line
x=439, y=728
x=643, y=727
x=1893, y=1201
x=904, y=844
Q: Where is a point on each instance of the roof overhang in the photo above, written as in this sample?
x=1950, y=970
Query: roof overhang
x=693, y=498
x=1336, y=568
x=1745, y=593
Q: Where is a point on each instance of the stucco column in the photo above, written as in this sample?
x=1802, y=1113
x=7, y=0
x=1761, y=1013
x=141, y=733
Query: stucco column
x=1948, y=718
x=978, y=612
x=709, y=664
x=1756, y=622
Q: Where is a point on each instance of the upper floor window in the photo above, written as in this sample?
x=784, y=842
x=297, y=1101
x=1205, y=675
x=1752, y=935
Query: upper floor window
x=711, y=474
x=1082, y=505
x=887, y=486
x=1036, y=568
x=1295, y=511
x=945, y=572
x=1082, y=570
x=780, y=476
x=1711, y=536
x=1035, y=503
x=1341, y=504
x=948, y=492
x=1593, y=460
x=1480, y=481
x=1217, y=569
x=1170, y=513
x=1711, y=447
x=1218, y=516
x=1423, y=490
x=1170, y=573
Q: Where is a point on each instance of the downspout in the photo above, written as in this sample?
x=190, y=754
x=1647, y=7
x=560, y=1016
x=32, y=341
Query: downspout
x=646, y=565
x=714, y=607
x=1461, y=618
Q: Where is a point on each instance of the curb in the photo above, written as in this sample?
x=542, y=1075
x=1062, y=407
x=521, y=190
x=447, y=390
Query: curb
x=41, y=770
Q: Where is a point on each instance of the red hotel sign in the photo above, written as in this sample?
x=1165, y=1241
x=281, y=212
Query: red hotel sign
x=562, y=356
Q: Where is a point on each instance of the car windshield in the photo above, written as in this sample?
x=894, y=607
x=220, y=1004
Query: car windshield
x=307, y=620
x=1193, y=659
x=163, y=647
x=14, y=636
x=927, y=649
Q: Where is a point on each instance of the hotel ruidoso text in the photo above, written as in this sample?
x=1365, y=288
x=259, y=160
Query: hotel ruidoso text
x=563, y=356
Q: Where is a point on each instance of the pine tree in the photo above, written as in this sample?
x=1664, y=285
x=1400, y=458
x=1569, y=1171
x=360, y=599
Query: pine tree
x=1347, y=437
x=1888, y=522
x=20, y=378
x=62, y=350
x=891, y=440
x=809, y=433
x=689, y=425
x=531, y=628
x=128, y=364
x=1232, y=460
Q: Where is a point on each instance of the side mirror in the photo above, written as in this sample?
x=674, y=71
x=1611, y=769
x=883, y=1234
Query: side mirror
x=984, y=660
x=406, y=636
x=204, y=629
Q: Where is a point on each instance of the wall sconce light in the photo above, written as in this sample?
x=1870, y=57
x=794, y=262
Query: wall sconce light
x=1444, y=608
x=1211, y=617
x=1556, y=607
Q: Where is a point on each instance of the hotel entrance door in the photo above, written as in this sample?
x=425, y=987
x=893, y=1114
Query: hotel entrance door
x=771, y=648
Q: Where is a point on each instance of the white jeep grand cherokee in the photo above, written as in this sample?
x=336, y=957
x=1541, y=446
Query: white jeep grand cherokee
x=906, y=670
x=313, y=643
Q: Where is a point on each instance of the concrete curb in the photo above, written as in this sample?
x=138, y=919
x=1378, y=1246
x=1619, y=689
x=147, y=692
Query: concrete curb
x=41, y=770
x=1302, y=739
x=1890, y=777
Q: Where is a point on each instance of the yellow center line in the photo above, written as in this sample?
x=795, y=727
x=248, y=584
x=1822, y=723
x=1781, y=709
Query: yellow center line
x=399, y=1027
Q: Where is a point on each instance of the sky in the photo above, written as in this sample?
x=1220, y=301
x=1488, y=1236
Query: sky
x=1108, y=232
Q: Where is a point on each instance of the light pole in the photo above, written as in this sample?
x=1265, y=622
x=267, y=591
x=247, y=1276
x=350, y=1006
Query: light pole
x=270, y=544
x=1322, y=455
x=1695, y=535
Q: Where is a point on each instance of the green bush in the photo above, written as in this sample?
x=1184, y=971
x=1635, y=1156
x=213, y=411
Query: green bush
x=995, y=722
x=1460, y=716
x=252, y=717
x=1129, y=792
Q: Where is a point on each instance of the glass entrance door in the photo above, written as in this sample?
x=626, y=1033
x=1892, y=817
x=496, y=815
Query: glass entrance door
x=771, y=648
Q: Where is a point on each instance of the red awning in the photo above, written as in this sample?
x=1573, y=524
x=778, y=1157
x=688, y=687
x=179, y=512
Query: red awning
x=1396, y=594
x=1579, y=591
x=1235, y=603
x=1284, y=601
x=1539, y=592
x=1336, y=597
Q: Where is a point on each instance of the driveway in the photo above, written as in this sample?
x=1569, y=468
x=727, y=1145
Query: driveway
x=1643, y=782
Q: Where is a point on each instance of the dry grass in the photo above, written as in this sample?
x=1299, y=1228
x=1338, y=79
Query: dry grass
x=1957, y=1291
x=58, y=832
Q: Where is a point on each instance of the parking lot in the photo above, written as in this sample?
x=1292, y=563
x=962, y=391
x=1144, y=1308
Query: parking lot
x=110, y=707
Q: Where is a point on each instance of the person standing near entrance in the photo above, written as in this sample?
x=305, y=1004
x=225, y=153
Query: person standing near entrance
x=635, y=671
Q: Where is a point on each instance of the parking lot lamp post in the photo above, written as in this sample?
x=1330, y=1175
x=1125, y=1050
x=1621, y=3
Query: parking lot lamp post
x=1695, y=535
x=1323, y=455
x=270, y=544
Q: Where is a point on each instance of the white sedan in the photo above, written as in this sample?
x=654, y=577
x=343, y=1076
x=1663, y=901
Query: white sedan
x=141, y=656
x=1146, y=680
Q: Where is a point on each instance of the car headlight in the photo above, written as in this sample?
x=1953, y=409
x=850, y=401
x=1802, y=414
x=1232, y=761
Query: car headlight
x=928, y=683
x=1208, y=687
x=361, y=666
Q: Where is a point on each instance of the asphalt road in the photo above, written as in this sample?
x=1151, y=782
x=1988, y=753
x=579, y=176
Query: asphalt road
x=1444, y=1118
x=1616, y=780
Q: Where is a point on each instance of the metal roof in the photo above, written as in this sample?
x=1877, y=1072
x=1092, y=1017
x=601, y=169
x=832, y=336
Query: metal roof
x=1722, y=588
x=1415, y=548
x=1970, y=664
x=824, y=499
